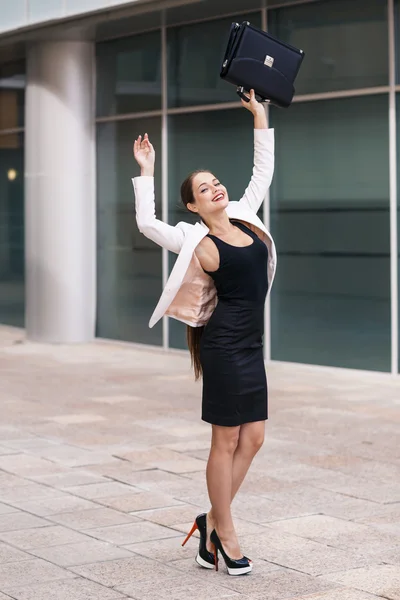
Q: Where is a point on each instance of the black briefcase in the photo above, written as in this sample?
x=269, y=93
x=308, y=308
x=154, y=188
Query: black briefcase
x=256, y=60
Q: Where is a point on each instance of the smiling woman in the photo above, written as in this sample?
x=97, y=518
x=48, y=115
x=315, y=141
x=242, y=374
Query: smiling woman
x=218, y=287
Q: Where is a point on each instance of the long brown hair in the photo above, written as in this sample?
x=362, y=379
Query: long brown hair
x=193, y=334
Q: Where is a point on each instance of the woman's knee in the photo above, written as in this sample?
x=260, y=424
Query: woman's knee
x=225, y=439
x=252, y=437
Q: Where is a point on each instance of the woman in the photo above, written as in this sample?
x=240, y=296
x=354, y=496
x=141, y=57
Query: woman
x=218, y=286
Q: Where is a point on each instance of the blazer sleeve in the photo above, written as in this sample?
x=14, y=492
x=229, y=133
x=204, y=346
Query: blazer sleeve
x=166, y=236
x=263, y=170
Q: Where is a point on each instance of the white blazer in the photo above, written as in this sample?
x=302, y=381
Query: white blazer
x=190, y=295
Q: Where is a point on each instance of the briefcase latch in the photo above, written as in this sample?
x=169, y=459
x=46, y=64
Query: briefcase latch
x=269, y=61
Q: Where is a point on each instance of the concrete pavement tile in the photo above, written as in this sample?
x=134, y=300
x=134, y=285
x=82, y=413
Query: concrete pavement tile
x=31, y=443
x=147, y=457
x=30, y=490
x=183, y=489
x=52, y=506
x=76, y=418
x=10, y=554
x=304, y=499
x=141, y=501
x=276, y=585
x=4, y=597
x=254, y=508
x=257, y=483
x=6, y=509
x=382, y=580
x=30, y=571
x=383, y=515
x=358, y=487
x=320, y=528
x=7, y=451
x=116, y=399
x=178, y=589
x=43, y=536
x=92, y=551
x=115, y=573
x=169, y=517
x=88, y=519
x=391, y=556
x=373, y=469
x=8, y=432
x=300, y=473
x=300, y=554
x=26, y=464
x=198, y=443
x=340, y=533
x=93, y=491
x=334, y=461
x=183, y=465
x=339, y=594
x=70, y=589
x=20, y=520
x=68, y=479
x=149, y=479
x=199, y=454
x=166, y=550
x=70, y=456
x=132, y=533
x=193, y=492
x=177, y=427
x=8, y=481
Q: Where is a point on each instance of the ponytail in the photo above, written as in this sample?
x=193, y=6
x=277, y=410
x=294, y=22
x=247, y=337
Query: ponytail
x=193, y=335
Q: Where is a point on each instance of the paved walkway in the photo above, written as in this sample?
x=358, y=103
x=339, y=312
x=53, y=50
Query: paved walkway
x=102, y=459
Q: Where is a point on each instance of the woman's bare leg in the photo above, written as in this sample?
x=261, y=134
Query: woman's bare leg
x=219, y=482
x=251, y=438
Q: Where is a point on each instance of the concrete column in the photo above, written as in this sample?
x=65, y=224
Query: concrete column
x=60, y=206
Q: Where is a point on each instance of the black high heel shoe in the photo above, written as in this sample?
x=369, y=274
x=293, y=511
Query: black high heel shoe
x=204, y=558
x=239, y=566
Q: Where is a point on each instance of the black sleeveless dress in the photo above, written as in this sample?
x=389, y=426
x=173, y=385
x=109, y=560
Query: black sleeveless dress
x=231, y=351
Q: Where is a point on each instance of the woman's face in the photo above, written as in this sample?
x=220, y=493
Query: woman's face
x=209, y=194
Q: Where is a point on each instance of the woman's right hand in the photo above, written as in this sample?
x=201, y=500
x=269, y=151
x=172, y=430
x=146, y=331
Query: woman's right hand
x=145, y=155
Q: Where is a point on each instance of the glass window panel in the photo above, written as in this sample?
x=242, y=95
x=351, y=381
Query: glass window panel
x=128, y=26
x=12, y=97
x=129, y=75
x=346, y=43
x=205, y=9
x=195, y=55
x=129, y=265
x=12, y=281
x=40, y=10
x=13, y=14
x=220, y=141
x=330, y=220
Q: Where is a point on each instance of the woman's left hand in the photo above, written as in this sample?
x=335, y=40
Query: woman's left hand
x=253, y=105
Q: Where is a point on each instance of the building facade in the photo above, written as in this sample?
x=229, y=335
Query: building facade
x=79, y=81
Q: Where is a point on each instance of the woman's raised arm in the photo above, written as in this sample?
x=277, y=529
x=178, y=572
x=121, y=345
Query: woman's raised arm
x=164, y=235
x=264, y=156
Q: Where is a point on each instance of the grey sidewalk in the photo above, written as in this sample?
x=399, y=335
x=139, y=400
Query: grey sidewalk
x=102, y=460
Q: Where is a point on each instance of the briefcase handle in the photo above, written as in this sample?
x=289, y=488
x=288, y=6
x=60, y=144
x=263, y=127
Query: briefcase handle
x=242, y=93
